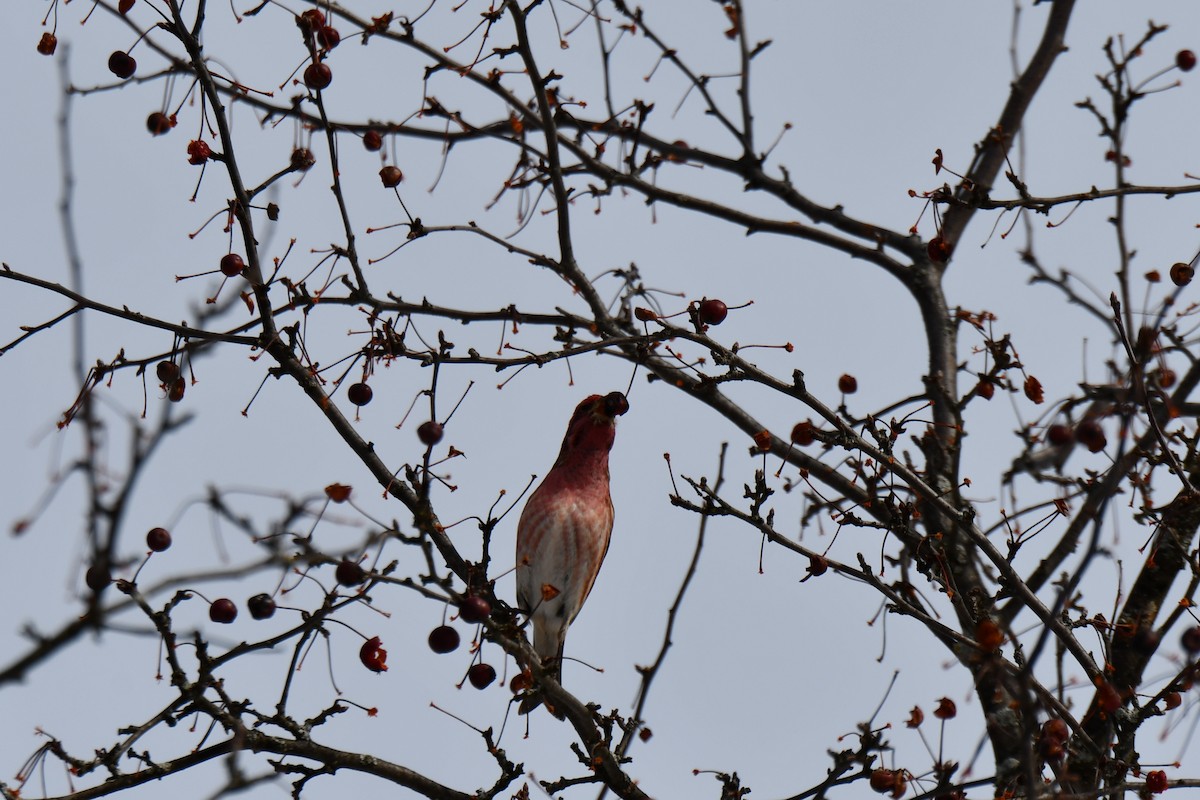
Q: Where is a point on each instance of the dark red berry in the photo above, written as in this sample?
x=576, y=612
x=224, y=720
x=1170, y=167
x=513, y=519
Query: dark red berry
x=443, y=639
x=167, y=371
x=474, y=609
x=122, y=64
x=318, y=75
x=817, y=565
x=847, y=384
x=985, y=388
x=261, y=606
x=124, y=6
x=521, y=682
x=391, y=176
x=712, y=312
x=1191, y=640
x=373, y=141
x=97, y=577
x=1185, y=60
x=198, y=152
x=311, y=21
x=1165, y=377
x=481, y=675
x=350, y=573
x=175, y=393
x=1182, y=274
x=329, y=37
x=946, y=709
x=47, y=44
x=1089, y=434
x=223, y=611
x=232, y=265
x=1059, y=435
x=158, y=539
x=615, y=404
x=804, y=433
x=883, y=780
x=938, y=250
x=1156, y=780
x=372, y=655
x=303, y=159
x=430, y=433
x=158, y=123
x=360, y=394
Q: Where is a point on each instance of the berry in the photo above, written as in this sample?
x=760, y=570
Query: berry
x=1185, y=60
x=350, y=573
x=167, y=371
x=124, y=6
x=318, y=75
x=338, y=492
x=430, y=433
x=1059, y=435
x=804, y=433
x=1156, y=780
x=122, y=64
x=329, y=37
x=175, y=393
x=261, y=606
x=946, y=709
x=97, y=577
x=158, y=123
x=1165, y=377
x=712, y=312
x=1190, y=640
x=817, y=565
x=615, y=404
x=360, y=394
x=985, y=389
x=1181, y=273
x=938, y=250
x=847, y=384
x=232, y=265
x=1172, y=700
x=521, y=682
x=474, y=609
x=311, y=21
x=158, y=539
x=481, y=675
x=883, y=780
x=1089, y=434
x=198, y=152
x=373, y=141
x=303, y=159
x=443, y=639
x=223, y=611
x=372, y=655
x=47, y=44
x=391, y=176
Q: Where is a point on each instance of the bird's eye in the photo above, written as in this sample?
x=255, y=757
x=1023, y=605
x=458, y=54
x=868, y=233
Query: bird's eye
x=615, y=404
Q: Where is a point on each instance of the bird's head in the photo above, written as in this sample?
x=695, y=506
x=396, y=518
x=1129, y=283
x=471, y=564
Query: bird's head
x=593, y=425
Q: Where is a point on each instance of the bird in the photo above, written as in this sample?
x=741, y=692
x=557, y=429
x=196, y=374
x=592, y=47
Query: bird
x=564, y=530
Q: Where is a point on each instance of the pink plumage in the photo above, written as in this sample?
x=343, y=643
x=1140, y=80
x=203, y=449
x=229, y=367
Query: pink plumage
x=564, y=530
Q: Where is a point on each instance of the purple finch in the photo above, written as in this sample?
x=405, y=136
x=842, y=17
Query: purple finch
x=564, y=530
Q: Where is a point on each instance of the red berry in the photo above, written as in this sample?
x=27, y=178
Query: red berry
x=232, y=265
x=443, y=639
x=310, y=21
x=882, y=780
x=350, y=573
x=1172, y=700
x=97, y=577
x=47, y=44
x=372, y=655
x=223, y=611
x=167, y=371
x=158, y=123
x=124, y=6
x=1165, y=377
x=938, y=250
x=1059, y=435
x=122, y=64
x=430, y=433
x=946, y=709
x=1089, y=434
x=804, y=433
x=1156, y=780
x=360, y=394
x=521, y=682
x=817, y=565
x=391, y=176
x=481, y=675
x=373, y=141
x=474, y=609
x=303, y=159
x=1190, y=640
x=1185, y=60
x=318, y=75
x=1181, y=273
x=712, y=312
x=329, y=37
x=847, y=384
x=985, y=389
x=615, y=404
x=261, y=606
x=158, y=539
x=175, y=393
x=198, y=152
